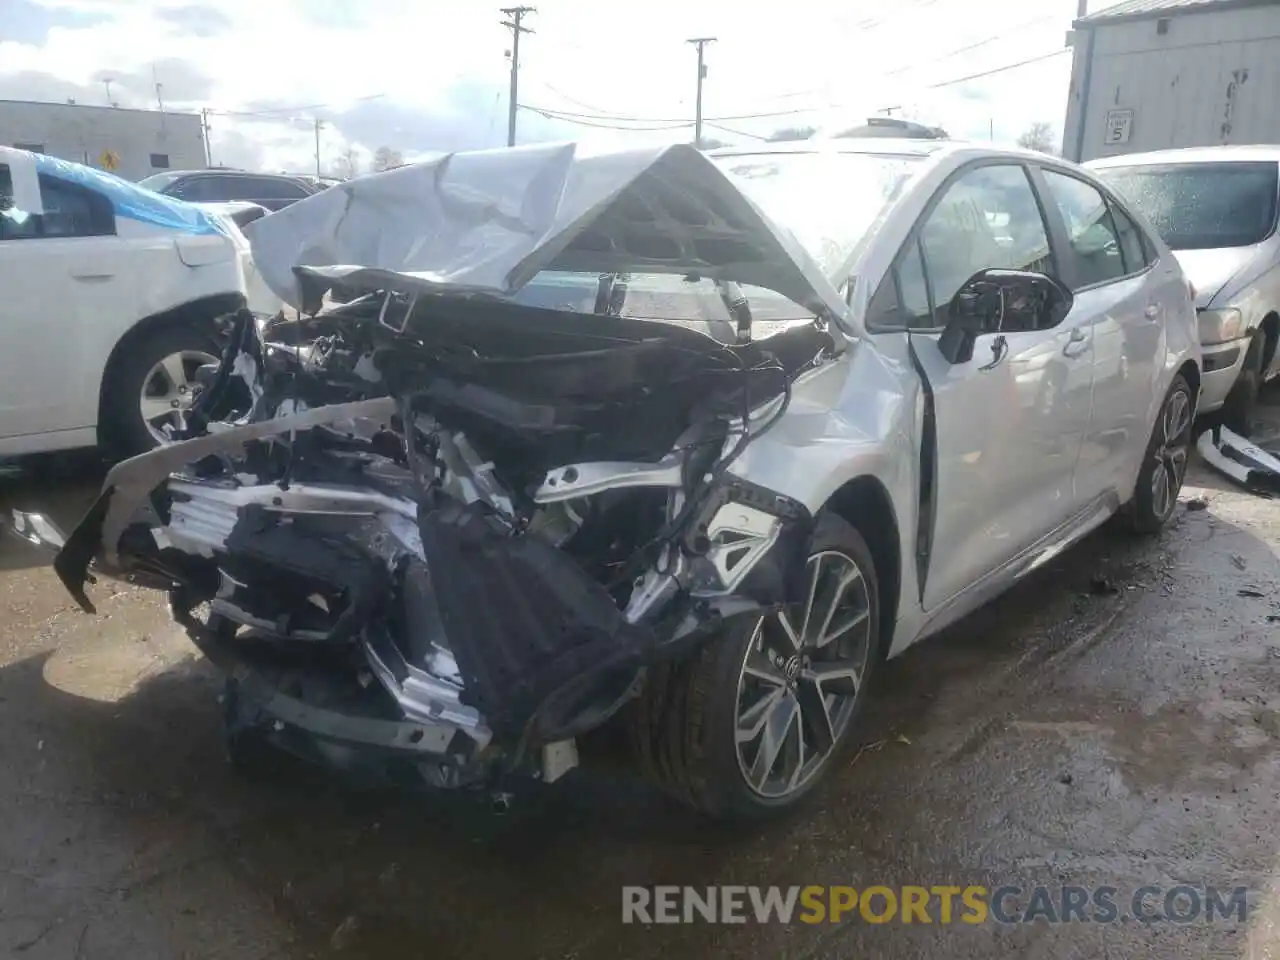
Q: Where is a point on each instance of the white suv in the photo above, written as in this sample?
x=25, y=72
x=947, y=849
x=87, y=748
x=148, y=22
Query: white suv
x=110, y=293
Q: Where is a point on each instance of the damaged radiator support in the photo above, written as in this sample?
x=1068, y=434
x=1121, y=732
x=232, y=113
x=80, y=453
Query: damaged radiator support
x=407, y=579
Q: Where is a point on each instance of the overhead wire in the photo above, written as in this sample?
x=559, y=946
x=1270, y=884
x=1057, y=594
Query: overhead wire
x=624, y=122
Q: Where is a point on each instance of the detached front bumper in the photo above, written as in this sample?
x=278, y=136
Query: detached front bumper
x=1220, y=364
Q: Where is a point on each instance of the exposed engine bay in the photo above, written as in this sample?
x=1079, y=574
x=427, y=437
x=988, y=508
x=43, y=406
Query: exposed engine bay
x=436, y=538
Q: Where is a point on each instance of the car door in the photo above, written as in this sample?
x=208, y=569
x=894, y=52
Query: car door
x=1107, y=264
x=1007, y=424
x=57, y=274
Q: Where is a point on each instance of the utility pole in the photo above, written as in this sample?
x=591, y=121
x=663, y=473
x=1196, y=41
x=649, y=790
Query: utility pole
x=515, y=14
x=700, y=43
x=106, y=82
x=204, y=128
x=1082, y=9
x=319, y=123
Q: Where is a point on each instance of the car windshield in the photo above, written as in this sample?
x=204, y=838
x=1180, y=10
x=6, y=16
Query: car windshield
x=158, y=181
x=1200, y=206
x=828, y=200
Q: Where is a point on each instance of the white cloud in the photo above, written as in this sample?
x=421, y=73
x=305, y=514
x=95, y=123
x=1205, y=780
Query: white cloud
x=441, y=71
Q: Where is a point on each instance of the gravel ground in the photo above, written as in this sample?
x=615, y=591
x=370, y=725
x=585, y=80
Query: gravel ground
x=1113, y=721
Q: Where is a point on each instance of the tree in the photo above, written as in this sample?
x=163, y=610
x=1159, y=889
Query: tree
x=1039, y=136
x=792, y=133
x=384, y=158
x=347, y=165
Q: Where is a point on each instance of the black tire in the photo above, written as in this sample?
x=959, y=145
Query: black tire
x=1148, y=512
x=122, y=429
x=1238, y=409
x=683, y=725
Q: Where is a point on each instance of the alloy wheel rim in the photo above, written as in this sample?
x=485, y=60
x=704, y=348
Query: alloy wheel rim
x=801, y=678
x=168, y=389
x=1171, y=453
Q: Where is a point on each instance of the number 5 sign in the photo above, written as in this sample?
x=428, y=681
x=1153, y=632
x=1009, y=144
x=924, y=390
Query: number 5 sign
x=1119, y=126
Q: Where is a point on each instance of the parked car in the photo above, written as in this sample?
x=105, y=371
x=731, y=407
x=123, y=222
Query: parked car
x=1217, y=208
x=893, y=128
x=270, y=190
x=689, y=448
x=110, y=293
x=320, y=183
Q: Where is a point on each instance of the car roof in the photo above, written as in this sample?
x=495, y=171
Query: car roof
x=225, y=172
x=1228, y=154
x=888, y=146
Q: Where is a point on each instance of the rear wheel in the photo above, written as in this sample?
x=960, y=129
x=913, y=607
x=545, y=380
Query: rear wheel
x=749, y=726
x=151, y=385
x=1164, y=465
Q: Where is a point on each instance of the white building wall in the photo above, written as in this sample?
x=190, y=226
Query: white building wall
x=1214, y=78
x=83, y=133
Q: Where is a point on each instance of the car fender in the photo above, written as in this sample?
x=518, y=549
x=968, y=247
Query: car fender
x=856, y=416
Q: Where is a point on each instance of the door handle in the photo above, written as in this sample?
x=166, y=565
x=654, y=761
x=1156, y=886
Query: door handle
x=92, y=277
x=1077, y=344
x=1152, y=312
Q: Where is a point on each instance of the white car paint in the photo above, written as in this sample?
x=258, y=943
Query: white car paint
x=1243, y=278
x=68, y=300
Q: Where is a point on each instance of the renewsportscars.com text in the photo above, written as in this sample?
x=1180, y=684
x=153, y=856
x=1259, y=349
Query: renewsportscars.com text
x=941, y=904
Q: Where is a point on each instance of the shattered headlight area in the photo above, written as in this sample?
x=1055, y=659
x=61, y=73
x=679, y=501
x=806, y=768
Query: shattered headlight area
x=435, y=538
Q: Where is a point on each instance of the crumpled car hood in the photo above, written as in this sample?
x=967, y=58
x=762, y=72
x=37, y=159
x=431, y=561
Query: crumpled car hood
x=487, y=222
x=1211, y=270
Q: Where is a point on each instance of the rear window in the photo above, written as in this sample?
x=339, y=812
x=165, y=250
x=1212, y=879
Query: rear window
x=1200, y=206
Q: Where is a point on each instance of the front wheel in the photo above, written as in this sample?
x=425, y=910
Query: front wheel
x=749, y=726
x=1238, y=408
x=151, y=385
x=1164, y=465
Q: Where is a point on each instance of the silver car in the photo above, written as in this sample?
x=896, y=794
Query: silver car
x=682, y=443
x=1216, y=208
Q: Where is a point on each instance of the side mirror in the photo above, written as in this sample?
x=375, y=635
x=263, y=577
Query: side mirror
x=1001, y=301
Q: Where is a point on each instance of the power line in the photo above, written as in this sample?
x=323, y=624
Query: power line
x=572, y=116
x=972, y=46
x=988, y=73
x=567, y=115
x=552, y=115
x=740, y=133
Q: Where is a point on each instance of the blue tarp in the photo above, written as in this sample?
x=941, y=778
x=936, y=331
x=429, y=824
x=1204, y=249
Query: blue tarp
x=132, y=201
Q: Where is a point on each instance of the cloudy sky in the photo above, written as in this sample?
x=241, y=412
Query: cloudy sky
x=425, y=75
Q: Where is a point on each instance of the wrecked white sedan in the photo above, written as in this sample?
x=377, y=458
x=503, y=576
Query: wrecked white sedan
x=679, y=442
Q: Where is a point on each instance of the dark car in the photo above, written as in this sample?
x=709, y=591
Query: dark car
x=269, y=190
x=896, y=129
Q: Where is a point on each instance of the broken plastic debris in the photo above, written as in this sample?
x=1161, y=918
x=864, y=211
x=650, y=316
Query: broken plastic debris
x=1241, y=460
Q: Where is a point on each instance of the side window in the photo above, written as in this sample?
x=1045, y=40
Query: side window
x=902, y=299
x=1132, y=247
x=15, y=224
x=74, y=211
x=1095, y=244
x=986, y=219
x=265, y=188
x=69, y=211
x=195, y=189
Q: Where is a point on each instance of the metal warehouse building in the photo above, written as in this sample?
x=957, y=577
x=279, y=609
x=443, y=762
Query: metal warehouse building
x=131, y=143
x=1153, y=74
